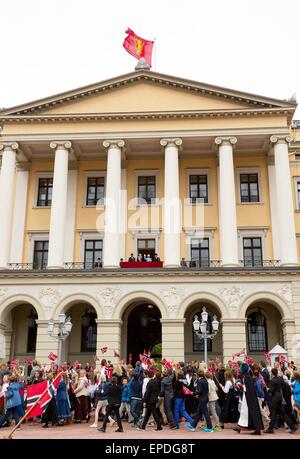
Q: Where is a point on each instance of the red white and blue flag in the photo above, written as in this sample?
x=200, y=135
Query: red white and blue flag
x=52, y=356
x=103, y=349
x=34, y=392
x=168, y=365
x=146, y=356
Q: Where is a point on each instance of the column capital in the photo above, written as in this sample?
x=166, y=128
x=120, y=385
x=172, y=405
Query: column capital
x=9, y=146
x=175, y=142
x=66, y=144
x=111, y=143
x=231, y=140
x=281, y=139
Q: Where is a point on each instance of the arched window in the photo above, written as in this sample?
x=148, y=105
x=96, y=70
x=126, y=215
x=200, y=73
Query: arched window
x=257, y=332
x=198, y=343
x=32, y=331
x=88, y=332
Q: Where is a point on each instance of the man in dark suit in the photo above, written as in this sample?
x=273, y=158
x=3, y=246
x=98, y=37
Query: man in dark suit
x=276, y=390
x=131, y=259
x=150, y=400
x=202, y=393
x=265, y=373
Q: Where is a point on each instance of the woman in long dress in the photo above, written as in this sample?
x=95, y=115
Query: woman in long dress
x=250, y=416
x=229, y=413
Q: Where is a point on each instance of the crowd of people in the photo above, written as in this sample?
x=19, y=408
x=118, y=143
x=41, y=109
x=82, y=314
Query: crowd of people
x=255, y=398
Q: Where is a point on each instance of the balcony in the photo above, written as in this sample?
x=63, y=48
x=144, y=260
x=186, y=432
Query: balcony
x=186, y=265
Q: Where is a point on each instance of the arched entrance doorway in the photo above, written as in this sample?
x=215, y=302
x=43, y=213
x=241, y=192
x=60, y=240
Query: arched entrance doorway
x=263, y=329
x=193, y=345
x=82, y=343
x=21, y=327
x=142, y=330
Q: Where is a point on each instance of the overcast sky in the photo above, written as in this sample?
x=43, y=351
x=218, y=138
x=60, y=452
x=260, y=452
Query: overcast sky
x=50, y=46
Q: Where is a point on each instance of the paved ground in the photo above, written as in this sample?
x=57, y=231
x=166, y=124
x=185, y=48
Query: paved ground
x=83, y=431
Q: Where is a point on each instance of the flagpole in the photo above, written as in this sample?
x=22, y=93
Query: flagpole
x=9, y=436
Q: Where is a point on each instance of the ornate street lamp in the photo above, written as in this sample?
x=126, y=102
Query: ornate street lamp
x=203, y=333
x=64, y=329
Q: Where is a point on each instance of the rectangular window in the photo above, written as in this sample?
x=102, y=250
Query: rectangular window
x=95, y=191
x=198, y=189
x=249, y=187
x=40, y=254
x=93, y=253
x=200, y=253
x=252, y=251
x=146, y=189
x=45, y=192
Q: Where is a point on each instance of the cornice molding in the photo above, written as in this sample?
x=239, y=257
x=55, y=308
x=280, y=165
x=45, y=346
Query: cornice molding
x=186, y=114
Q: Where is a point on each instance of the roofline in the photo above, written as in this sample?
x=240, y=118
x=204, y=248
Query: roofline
x=149, y=75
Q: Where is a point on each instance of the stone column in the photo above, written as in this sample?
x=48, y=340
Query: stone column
x=19, y=214
x=109, y=335
x=5, y=342
x=70, y=216
x=285, y=208
x=171, y=208
x=273, y=208
x=59, y=205
x=234, y=337
x=172, y=331
x=7, y=181
x=111, y=246
x=227, y=203
x=44, y=343
x=288, y=330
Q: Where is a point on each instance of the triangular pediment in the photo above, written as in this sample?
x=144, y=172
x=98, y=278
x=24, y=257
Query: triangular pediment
x=145, y=92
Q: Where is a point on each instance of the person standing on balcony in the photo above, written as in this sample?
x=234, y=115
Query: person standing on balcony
x=156, y=257
x=131, y=259
x=140, y=257
x=98, y=263
x=148, y=257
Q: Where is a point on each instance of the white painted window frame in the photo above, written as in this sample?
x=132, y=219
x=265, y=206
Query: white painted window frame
x=249, y=170
x=145, y=173
x=33, y=237
x=296, y=180
x=191, y=171
x=253, y=232
x=90, y=236
x=39, y=175
x=144, y=233
x=199, y=233
x=91, y=174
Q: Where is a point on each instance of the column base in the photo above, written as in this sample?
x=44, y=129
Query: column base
x=172, y=266
x=55, y=267
x=285, y=264
x=111, y=266
x=230, y=265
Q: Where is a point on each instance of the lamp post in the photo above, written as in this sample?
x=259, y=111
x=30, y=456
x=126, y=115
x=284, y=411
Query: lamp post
x=200, y=328
x=64, y=329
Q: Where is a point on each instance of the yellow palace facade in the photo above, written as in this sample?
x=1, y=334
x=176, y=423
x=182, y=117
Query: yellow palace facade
x=205, y=177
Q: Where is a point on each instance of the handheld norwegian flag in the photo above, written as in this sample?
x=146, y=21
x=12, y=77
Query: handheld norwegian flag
x=168, y=365
x=103, y=349
x=186, y=391
x=52, y=356
x=14, y=363
x=282, y=359
x=43, y=390
x=146, y=356
x=138, y=47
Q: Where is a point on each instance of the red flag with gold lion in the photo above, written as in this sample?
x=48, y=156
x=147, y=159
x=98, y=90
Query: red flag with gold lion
x=138, y=47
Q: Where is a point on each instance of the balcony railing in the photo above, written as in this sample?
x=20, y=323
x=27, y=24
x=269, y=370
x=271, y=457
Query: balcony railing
x=194, y=264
